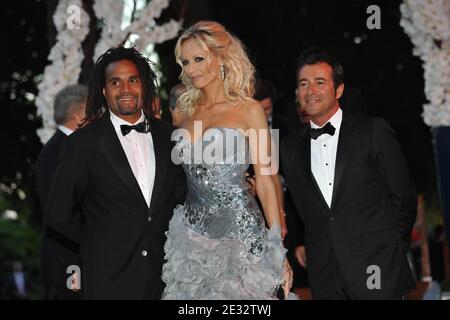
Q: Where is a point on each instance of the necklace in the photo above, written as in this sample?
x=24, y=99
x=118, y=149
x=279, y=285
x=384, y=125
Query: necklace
x=219, y=102
x=214, y=104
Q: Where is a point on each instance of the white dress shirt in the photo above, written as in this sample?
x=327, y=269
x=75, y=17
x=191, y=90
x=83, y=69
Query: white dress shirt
x=323, y=157
x=65, y=130
x=19, y=280
x=140, y=154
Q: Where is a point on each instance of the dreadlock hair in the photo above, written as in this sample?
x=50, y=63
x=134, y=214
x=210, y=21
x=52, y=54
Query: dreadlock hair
x=96, y=103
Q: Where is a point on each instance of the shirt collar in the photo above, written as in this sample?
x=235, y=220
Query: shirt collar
x=117, y=122
x=65, y=130
x=335, y=120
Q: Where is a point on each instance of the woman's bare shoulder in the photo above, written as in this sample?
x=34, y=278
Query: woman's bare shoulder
x=253, y=110
x=252, y=107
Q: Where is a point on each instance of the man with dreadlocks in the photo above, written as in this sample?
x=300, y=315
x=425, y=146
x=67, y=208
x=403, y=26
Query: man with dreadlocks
x=118, y=172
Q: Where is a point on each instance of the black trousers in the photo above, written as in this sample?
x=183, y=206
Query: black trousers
x=60, y=293
x=342, y=294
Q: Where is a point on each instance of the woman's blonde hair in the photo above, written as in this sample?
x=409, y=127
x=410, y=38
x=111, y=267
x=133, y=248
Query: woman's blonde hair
x=239, y=71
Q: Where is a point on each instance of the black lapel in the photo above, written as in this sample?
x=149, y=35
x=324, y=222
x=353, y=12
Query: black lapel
x=344, y=142
x=59, y=135
x=161, y=163
x=305, y=149
x=110, y=145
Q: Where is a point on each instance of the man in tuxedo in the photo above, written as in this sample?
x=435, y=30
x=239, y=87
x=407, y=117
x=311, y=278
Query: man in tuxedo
x=118, y=172
x=58, y=252
x=351, y=102
x=17, y=283
x=350, y=183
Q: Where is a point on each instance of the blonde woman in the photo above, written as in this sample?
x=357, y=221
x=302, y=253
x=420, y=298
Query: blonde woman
x=218, y=246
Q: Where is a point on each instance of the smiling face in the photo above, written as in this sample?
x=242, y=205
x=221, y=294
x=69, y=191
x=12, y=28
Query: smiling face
x=199, y=64
x=123, y=90
x=316, y=92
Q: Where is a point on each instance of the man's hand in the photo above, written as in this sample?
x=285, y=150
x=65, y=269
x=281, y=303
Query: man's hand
x=300, y=255
x=251, y=183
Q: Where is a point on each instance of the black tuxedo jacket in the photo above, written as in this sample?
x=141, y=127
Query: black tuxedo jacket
x=280, y=122
x=372, y=212
x=57, y=252
x=122, y=241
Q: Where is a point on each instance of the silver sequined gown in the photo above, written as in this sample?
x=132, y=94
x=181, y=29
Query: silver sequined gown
x=218, y=246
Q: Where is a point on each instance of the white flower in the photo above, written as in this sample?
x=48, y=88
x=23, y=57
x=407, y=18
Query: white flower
x=426, y=24
x=10, y=215
x=66, y=56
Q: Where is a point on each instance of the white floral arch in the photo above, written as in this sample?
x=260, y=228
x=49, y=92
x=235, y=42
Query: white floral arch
x=427, y=23
x=67, y=55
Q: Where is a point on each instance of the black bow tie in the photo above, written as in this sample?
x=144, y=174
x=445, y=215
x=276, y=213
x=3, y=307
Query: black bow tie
x=328, y=128
x=140, y=127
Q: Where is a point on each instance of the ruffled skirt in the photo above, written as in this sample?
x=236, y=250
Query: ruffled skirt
x=214, y=269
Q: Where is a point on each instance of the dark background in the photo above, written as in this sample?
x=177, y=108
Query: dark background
x=380, y=64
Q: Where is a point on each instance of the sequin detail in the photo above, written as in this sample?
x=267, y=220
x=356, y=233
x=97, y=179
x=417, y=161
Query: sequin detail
x=218, y=246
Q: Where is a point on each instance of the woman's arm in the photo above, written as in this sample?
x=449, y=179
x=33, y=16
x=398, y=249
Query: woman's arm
x=260, y=151
x=260, y=144
x=280, y=198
